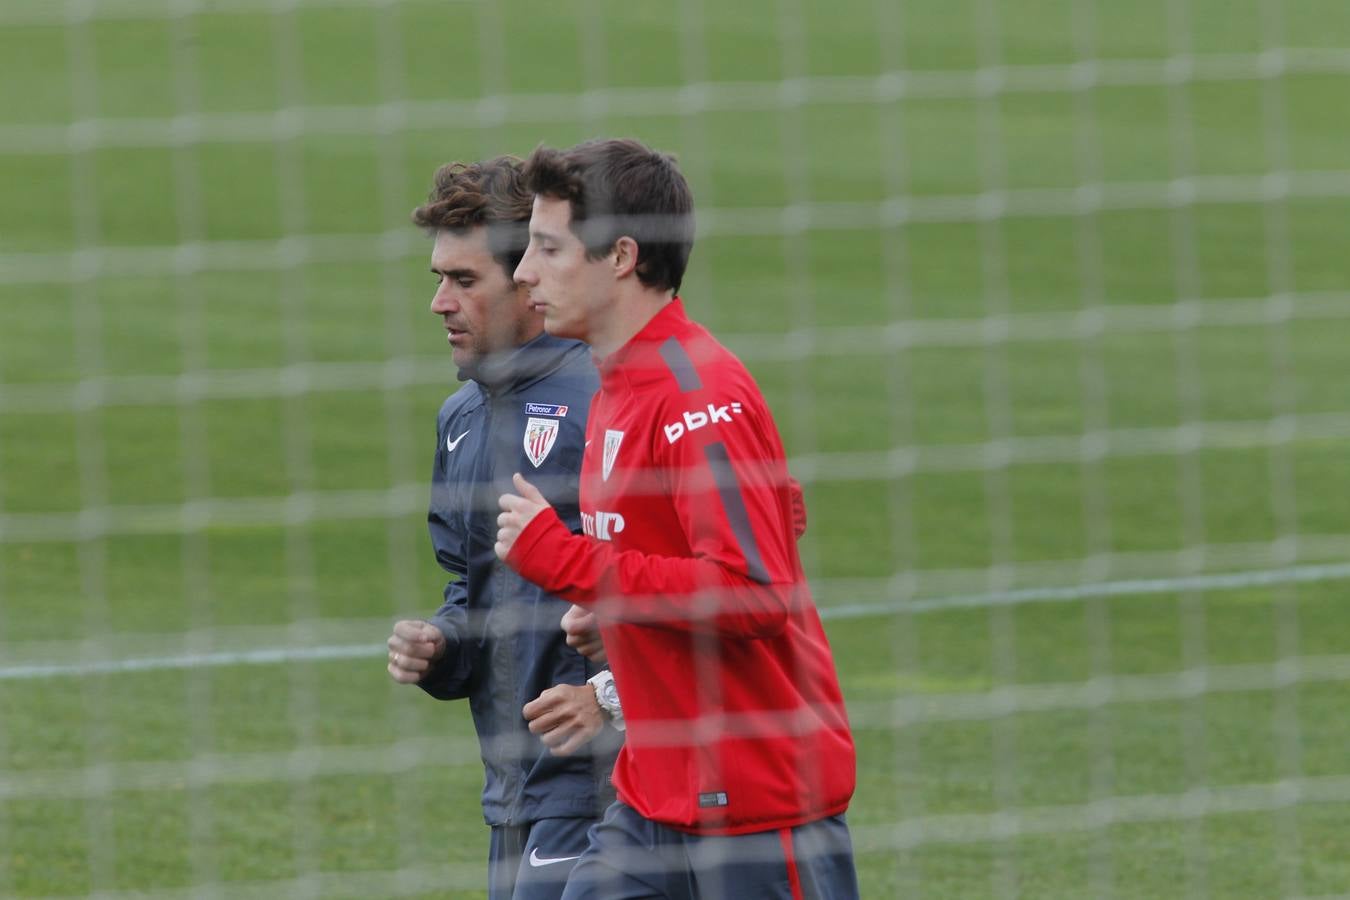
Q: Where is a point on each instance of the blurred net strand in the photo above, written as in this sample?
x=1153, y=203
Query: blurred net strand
x=905, y=711
x=991, y=206
x=962, y=829
x=199, y=382
x=91, y=461
x=43, y=12
x=826, y=467
x=1285, y=722
x=996, y=295
x=908, y=754
x=403, y=558
x=1187, y=276
x=301, y=566
x=1198, y=803
x=294, y=120
x=794, y=246
x=310, y=761
x=417, y=881
x=833, y=467
x=1096, y=396
x=955, y=829
x=797, y=303
x=326, y=640
x=195, y=477
x=406, y=881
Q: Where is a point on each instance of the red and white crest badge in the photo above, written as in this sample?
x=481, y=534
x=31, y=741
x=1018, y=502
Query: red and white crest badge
x=540, y=436
x=612, y=441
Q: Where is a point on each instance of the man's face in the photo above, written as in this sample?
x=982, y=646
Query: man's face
x=570, y=290
x=484, y=311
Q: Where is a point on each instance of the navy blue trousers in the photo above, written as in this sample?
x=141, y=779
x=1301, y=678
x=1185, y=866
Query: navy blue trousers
x=632, y=858
x=532, y=862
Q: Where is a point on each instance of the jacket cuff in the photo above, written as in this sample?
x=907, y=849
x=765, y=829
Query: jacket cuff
x=451, y=635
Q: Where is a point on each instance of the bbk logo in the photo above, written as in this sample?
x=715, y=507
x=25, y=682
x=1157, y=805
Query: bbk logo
x=602, y=525
x=696, y=419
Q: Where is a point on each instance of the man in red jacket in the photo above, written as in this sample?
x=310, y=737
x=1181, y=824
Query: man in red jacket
x=739, y=762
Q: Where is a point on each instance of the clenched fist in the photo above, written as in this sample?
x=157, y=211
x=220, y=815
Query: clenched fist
x=583, y=633
x=565, y=717
x=414, y=647
x=518, y=510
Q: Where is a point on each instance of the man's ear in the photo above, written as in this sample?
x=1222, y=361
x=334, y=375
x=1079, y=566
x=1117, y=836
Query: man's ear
x=625, y=256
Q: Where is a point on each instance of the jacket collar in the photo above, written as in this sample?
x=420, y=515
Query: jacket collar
x=503, y=372
x=642, y=349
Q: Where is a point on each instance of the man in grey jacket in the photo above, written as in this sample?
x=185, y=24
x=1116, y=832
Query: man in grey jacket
x=496, y=638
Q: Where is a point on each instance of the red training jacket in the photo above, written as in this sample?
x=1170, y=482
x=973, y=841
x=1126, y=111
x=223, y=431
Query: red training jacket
x=734, y=714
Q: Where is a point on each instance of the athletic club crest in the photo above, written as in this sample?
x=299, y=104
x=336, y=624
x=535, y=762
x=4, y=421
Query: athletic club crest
x=612, y=441
x=540, y=435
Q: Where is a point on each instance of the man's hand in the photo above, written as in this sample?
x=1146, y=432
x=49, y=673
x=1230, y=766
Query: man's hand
x=583, y=633
x=517, y=511
x=566, y=717
x=413, y=647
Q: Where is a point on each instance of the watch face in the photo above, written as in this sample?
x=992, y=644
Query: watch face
x=610, y=694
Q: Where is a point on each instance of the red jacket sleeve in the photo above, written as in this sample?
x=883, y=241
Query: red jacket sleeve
x=736, y=507
x=798, y=508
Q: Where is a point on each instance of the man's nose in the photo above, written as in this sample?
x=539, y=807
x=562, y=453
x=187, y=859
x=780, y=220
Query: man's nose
x=444, y=301
x=524, y=273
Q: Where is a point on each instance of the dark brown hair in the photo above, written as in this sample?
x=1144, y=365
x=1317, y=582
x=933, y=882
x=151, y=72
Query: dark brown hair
x=491, y=193
x=622, y=188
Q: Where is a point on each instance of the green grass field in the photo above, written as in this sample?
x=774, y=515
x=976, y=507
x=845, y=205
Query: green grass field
x=226, y=450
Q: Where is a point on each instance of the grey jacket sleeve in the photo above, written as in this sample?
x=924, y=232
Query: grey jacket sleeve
x=450, y=678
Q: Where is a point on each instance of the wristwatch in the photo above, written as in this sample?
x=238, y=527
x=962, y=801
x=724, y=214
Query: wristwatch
x=607, y=696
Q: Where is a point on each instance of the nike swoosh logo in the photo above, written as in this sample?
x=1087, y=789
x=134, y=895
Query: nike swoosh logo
x=536, y=860
x=451, y=445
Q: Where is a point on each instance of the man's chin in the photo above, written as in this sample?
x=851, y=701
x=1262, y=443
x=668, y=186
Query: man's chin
x=467, y=364
x=559, y=328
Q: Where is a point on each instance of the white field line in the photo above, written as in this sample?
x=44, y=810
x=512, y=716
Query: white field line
x=1196, y=803
x=913, y=707
x=267, y=656
x=327, y=652
x=1133, y=587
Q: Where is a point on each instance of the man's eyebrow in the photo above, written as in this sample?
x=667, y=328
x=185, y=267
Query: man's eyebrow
x=542, y=234
x=454, y=273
